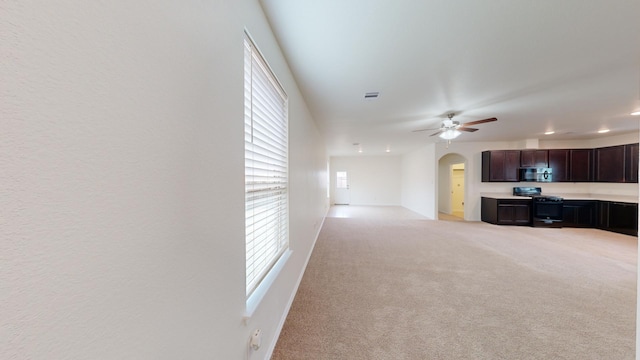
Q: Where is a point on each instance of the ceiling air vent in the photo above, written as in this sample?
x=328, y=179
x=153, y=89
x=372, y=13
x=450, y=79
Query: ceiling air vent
x=371, y=95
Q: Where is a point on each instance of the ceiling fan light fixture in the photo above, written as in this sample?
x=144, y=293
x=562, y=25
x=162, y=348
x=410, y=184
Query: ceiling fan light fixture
x=449, y=134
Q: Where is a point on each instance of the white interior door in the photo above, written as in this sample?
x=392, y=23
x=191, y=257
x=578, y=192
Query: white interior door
x=341, y=196
x=457, y=190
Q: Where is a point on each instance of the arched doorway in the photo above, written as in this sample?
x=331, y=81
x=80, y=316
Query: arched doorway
x=451, y=187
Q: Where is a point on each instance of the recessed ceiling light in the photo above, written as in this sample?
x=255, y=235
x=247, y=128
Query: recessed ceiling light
x=550, y=133
x=388, y=150
x=603, y=131
x=636, y=113
x=359, y=150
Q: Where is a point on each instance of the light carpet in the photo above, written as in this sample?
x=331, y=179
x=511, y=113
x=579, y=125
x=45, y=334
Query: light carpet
x=384, y=283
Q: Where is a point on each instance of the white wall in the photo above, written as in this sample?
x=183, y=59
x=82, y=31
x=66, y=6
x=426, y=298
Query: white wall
x=419, y=177
x=373, y=180
x=603, y=141
x=422, y=168
x=122, y=217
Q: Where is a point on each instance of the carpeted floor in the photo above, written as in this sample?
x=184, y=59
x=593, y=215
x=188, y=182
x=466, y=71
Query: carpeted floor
x=384, y=283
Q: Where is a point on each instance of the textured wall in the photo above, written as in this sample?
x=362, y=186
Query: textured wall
x=121, y=181
x=373, y=180
x=419, y=181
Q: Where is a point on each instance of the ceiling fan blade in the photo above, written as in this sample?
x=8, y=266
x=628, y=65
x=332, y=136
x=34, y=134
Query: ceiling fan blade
x=480, y=121
x=436, y=133
x=425, y=129
x=468, y=129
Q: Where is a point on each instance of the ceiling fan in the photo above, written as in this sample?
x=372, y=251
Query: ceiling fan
x=450, y=129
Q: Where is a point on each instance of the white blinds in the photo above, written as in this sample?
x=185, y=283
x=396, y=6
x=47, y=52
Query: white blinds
x=266, y=165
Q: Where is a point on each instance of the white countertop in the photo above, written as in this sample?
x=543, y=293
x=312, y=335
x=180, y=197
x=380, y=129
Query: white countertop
x=503, y=196
x=603, y=197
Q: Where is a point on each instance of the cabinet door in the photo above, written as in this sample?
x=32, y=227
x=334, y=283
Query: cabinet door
x=559, y=164
x=522, y=214
x=631, y=163
x=603, y=215
x=506, y=214
x=586, y=215
x=496, y=165
x=623, y=218
x=500, y=165
x=579, y=213
x=534, y=158
x=511, y=165
x=581, y=165
x=512, y=212
x=609, y=164
x=568, y=215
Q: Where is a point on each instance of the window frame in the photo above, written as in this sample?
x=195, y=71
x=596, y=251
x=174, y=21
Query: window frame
x=266, y=172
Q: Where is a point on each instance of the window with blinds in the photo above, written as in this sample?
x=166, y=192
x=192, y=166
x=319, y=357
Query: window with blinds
x=266, y=167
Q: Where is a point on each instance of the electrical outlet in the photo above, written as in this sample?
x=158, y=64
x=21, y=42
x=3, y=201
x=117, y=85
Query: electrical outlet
x=256, y=339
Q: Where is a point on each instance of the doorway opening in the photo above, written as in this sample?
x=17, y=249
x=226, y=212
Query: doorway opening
x=457, y=190
x=451, y=187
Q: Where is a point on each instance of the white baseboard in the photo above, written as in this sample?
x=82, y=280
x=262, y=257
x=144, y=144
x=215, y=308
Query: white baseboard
x=272, y=345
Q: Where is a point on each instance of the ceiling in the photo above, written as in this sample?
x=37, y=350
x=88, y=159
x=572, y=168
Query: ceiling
x=571, y=66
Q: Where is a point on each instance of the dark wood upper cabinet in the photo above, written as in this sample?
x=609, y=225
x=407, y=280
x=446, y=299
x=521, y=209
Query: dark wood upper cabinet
x=574, y=165
x=534, y=158
x=609, y=164
x=500, y=165
x=631, y=163
x=581, y=165
x=559, y=164
x=617, y=164
x=512, y=165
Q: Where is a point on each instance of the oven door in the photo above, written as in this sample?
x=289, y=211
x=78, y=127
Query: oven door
x=547, y=210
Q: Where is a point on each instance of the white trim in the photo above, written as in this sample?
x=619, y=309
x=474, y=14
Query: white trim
x=266, y=140
x=272, y=345
x=253, y=301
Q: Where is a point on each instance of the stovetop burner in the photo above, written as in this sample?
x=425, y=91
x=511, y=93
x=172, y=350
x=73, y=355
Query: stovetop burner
x=535, y=193
x=527, y=191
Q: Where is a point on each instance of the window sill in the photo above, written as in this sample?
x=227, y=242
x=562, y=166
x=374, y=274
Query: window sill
x=253, y=301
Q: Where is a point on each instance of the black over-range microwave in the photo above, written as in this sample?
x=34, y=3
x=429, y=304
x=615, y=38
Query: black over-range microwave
x=536, y=174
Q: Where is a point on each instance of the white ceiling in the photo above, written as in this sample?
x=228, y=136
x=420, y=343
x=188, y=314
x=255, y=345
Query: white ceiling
x=572, y=66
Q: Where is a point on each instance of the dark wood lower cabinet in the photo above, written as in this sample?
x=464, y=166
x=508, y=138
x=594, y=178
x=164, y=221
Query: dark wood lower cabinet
x=618, y=217
x=505, y=211
x=612, y=216
x=579, y=213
